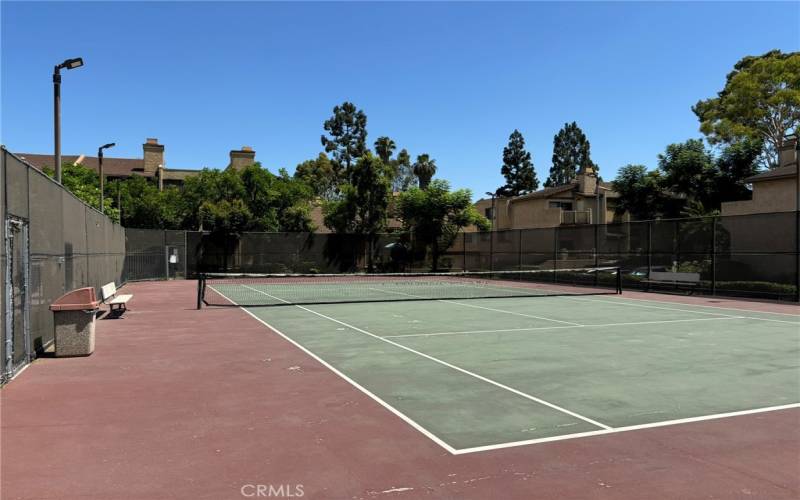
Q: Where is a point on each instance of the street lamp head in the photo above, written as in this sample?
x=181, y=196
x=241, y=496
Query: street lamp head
x=109, y=145
x=76, y=62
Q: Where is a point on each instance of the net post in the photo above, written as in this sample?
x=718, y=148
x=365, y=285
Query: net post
x=201, y=285
x=619, y=281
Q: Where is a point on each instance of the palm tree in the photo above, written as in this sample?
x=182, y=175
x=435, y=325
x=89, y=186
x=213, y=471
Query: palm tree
x=384, y=147
x=424, y=169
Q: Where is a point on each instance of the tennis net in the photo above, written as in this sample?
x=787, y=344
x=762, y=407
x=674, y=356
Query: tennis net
x=252, y=290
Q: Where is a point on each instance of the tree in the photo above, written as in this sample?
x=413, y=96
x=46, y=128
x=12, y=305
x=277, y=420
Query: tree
x=640, y=192
x=292, y=202
x=142, y=205
x=84, y=183
x=517, y=168
x=435, y=215
x=688, y=170
x=225, y=216
x=319, y=176
x=760, y=102
x=424, y=168
x=250, y=199
x=570, y=154
x=736, y=163
x=347, y=129
x=404, y=178
x=384, y=147
x=364, y=203
x=210, y=187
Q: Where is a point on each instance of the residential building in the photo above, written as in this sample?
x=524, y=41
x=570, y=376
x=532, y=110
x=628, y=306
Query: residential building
x=151, y=165
x=774, y=190
x=575, y=203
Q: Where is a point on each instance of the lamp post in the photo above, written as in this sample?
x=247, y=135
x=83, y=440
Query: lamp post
x=68, y=64
x=100, y=171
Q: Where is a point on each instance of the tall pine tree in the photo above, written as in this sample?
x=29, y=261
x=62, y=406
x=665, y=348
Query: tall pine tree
x=347, y=129
x=570, y=154
x=517, y=168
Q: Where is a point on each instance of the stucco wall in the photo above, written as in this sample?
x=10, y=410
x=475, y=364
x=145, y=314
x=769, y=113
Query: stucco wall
x=768, y=196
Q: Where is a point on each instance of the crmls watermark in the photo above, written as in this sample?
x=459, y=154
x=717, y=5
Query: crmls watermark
x=272, y=490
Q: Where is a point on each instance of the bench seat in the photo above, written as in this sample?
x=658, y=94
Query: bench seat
x=110, y=297
x=120, y=299
x=687, y=281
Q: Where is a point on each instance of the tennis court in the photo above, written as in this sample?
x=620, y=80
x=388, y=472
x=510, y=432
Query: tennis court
x=487, y=362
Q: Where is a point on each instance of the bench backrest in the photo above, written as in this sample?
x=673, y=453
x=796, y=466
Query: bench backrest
x=669, y=276
x=108, y=291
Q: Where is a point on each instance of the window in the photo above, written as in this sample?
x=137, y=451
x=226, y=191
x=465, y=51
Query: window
x=488, y=213
x=563, y=205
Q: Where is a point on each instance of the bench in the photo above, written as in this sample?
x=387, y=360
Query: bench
x=110, y=297
x=686, y=281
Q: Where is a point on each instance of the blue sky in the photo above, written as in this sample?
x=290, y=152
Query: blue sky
x=448, y=79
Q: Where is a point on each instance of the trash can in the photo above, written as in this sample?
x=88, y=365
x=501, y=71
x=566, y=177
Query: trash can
x=74, y=319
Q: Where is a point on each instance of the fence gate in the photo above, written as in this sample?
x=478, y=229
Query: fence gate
x=17, y=287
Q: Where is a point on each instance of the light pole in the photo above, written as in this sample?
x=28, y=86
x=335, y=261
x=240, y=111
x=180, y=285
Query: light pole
x=100, y=171
x=68, y=64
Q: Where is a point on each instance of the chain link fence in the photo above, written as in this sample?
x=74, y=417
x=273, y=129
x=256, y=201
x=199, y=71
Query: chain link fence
x=52, y=243
x=744, y=255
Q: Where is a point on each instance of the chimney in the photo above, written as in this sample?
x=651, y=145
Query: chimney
x=242, y=158
x=153, y=155
x=786, y=153
x=587, y=180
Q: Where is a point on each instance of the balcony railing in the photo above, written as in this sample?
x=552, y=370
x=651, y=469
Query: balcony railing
x=576, y=216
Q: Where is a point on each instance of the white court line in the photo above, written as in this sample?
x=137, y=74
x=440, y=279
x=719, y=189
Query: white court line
x=480, y=307
x=462, y=451
x=425, y=432
x=265, y=293
x=716, y=307
x=464, y=371
x=617, y=430
x=604, y=325
x=449, y=365
x=617, y=302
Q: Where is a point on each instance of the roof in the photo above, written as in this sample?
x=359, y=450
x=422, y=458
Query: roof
x=546, y=192
x=119, y=167
x=176, y=173
x=786, y=171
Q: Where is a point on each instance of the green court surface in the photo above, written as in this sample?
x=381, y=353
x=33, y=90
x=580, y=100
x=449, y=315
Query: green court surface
x=480, y=374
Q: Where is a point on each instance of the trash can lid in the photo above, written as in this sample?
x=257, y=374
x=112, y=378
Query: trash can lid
x=76, y=300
